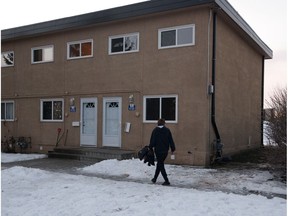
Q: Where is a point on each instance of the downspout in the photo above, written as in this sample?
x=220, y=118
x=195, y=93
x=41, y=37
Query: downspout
x=262, y=102
x=217, y=143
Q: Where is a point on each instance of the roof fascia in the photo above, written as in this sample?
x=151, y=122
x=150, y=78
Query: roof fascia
x=98, y=17
x=125, y=12
x=234, y=15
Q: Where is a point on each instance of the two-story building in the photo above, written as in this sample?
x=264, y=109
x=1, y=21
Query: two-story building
x=105, y=78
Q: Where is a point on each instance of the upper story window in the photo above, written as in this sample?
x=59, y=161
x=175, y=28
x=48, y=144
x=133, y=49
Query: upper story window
x=164, y=106
x=7, y=110
x=7, y=59
x=52, y=110
x=176, y=36
x=42, y=54
x=124, y=43
x=80, y=49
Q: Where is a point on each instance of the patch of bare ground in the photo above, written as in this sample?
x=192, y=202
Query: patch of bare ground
x=271, y=158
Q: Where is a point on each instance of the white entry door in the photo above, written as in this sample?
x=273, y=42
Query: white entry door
x=88, y=127
x=112, y=121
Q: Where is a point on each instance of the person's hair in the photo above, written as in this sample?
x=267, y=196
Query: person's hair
x=161, y=122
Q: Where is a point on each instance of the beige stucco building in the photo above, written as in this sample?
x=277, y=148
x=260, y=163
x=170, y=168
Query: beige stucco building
x=105, y=78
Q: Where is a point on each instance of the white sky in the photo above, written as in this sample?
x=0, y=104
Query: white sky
x=267, y=18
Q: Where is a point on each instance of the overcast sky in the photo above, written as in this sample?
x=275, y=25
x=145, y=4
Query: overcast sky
x=267, y=18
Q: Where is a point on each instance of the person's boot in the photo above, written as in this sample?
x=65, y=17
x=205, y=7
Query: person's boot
x=166, y=183
x=153, y=180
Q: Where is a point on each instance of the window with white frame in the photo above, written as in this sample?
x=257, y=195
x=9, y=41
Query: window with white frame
x=7, y=110
x=7, y=59
x=42, y=54
x=52, y=109
x=176, y=36
x=156, y=107
x=80, y=49
x=124, y=43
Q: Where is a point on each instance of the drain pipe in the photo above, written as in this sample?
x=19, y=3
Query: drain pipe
x=262, y=102
x=217, y=143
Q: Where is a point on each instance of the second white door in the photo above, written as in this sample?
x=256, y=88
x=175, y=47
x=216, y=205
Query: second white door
x=112, y=121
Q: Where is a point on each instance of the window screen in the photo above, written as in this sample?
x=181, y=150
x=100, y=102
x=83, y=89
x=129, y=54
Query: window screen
x=152, y=108
x=168, y=38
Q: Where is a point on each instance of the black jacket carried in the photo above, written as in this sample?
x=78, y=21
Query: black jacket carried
x=161, y=140
x=148, y=155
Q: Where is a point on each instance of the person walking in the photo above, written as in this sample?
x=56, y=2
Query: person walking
x=161, y=139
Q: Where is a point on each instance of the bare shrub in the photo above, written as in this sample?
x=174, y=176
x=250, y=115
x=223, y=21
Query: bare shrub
x=276, y=126
x=277, y=121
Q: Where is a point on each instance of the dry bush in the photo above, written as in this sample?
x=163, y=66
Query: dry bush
x=276, y=126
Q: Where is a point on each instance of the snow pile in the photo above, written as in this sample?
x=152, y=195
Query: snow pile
x=7, y=158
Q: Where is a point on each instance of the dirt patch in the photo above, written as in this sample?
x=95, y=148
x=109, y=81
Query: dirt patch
x=269, y=158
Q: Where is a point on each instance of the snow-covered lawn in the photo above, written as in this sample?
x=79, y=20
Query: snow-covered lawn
x=29, y=191
x=6, y=158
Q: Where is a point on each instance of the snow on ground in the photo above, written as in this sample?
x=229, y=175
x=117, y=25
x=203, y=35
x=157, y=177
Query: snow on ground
x=7, y=158
x=28, y=191
x=187, y=176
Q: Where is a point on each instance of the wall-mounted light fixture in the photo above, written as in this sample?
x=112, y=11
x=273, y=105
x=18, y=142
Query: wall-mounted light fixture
x=131, y=99
x=72, y=101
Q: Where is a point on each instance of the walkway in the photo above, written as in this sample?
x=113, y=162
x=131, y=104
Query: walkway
x=72, y=167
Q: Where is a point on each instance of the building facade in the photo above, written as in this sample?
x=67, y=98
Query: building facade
x=105, y=78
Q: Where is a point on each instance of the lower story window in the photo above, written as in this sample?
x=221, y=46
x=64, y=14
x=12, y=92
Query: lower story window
x=52, y=110
x=7, y=110
x=156, y=107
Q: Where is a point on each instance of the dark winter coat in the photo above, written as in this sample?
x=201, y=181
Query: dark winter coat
x=147, y=155
x=161, y=139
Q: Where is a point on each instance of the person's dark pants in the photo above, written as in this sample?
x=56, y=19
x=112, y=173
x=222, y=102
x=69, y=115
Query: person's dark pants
x=160, y=166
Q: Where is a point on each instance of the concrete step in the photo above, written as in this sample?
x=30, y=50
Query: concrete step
x=52, y=154
x=96, y=154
